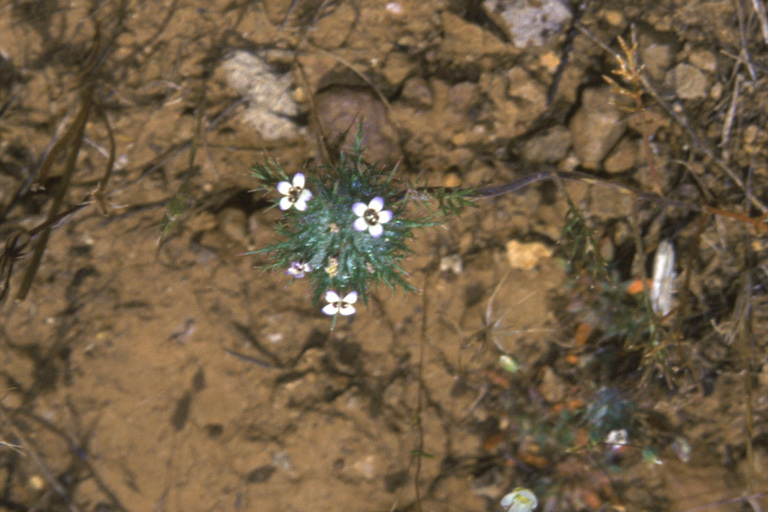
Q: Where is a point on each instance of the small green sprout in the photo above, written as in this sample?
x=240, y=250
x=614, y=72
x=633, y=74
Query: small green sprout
x=509, y=363
x=651, y=456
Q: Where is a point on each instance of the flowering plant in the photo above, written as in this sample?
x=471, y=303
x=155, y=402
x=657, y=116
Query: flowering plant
x=345, y=227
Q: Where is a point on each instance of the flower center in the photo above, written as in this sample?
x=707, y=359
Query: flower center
x=293, y=194
x=371, y=217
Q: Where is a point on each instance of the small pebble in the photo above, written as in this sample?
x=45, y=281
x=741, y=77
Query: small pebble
x=690, y=82
x=550, y=61
x=416, y=91
x=452, y=179
x=526, y=256
x=452, y=263
x=615, y=18
x=704, y=60
x=622, y=158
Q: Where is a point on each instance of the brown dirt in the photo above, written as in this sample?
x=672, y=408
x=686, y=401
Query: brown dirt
x=148, y=376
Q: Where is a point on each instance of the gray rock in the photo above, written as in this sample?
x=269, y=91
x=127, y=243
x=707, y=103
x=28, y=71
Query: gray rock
x=596, y=126
x=270, y=104
x=548, y=148
x=657, y=52
x=528, y=22
x=690, y=82
x=416, y=92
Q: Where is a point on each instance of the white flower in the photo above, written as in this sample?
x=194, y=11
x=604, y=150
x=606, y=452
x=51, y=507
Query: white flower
x=297, y=269
x=371, y=216
x=295, y=193
x=520, y=500
x=617, y=438
x=337, y=305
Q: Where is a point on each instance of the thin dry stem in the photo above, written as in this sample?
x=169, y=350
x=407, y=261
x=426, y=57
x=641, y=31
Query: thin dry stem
x=761, y=15
x=729, y=118
x=683, y=122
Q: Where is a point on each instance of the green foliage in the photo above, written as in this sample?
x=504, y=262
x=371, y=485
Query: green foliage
x=611, y=310
x=268, y=175
x=176, y=208
x=318, y=237
x=453, y=201
x=581, y=247
x=598, y=297
x=606, y=412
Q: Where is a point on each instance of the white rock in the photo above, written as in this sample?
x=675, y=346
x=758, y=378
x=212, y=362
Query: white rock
x=528, y=22
x=270, y=102
x=525, y=256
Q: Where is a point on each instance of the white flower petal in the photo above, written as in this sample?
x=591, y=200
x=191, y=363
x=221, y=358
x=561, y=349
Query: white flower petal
x=360, y=224
x=331, y=296
x=376, y=203
x=330, y=309
x=296, y=270
x=520, y=500
x=385, y=216
x=351, y=298
x=298, y=180
x=300, y=204
x=305, y=195
x=285, y=203
x=346, y=309
x=376, y=230
x=359, y=209
x=284, y=188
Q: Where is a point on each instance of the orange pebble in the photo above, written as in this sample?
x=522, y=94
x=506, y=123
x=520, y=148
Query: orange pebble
x=636, y=286
x=493, y=441
x=536, y=461
x=498, y=379
x=591, y=500
x=574, y=403
x=583, y=332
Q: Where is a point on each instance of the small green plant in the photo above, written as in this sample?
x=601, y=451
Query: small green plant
x=346, y=228
x=607, y=414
